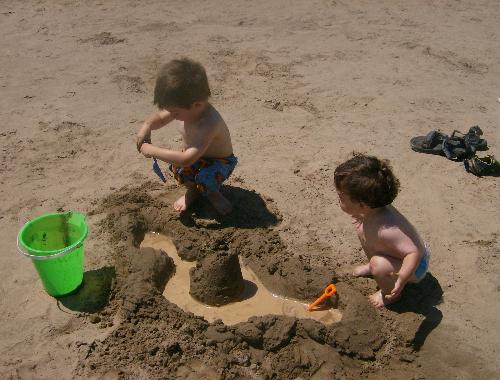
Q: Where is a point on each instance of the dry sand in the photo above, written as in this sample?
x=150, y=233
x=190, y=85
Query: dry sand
x=301, y=85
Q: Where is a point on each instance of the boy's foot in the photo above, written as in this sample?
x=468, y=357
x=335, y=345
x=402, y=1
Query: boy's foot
x=361, y=271
x=379, y=301
x=221, y=204
x=183, y=203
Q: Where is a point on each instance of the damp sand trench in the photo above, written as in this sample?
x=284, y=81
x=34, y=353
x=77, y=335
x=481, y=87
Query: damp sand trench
x=255, y=302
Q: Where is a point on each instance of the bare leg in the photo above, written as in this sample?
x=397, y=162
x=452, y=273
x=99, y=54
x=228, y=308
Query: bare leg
x=361, y=270
x=183, y=203
x=384, y=269
x=221, y=204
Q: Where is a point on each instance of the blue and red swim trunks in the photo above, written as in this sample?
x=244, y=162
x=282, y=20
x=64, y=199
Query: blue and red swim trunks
x=207, y=173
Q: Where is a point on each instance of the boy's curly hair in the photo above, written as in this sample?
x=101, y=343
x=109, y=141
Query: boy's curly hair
x=180, y=83
x=367, y=179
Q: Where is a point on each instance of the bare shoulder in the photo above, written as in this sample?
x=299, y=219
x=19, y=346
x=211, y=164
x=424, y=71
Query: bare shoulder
x=389, y=232
x=390, y=224
x=212, y=120
x=215, y=134
x=396, y=232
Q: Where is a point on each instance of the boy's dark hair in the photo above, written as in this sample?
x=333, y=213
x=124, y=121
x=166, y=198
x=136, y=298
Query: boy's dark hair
x=180, y=83
x=367, y=179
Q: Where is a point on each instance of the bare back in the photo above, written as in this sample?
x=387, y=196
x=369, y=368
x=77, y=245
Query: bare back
x=388, y=233
x=210, y=126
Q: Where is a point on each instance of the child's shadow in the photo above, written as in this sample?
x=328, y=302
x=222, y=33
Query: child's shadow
x=422, y=298
x=249, y=211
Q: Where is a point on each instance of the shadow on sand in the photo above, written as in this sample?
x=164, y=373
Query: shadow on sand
x=249, y=211
x=93, y=295
x=422, y=298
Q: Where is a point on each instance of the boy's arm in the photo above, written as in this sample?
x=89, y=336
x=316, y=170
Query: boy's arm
x=187, y=157
x=155, y=121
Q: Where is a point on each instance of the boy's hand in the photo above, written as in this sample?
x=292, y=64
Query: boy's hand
x=155, y=121
x=145, y=149
x=143, y=136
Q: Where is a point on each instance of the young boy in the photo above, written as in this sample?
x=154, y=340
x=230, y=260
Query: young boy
x=206, y=159
x=366, y=188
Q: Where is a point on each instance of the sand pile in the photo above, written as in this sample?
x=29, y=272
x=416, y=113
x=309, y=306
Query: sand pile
x=217, y=280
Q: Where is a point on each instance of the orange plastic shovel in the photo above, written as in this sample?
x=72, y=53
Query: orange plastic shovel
x=329, y=291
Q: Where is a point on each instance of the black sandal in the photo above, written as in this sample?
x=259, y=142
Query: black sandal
x=472, y=138
x=462, y=146
x=432, y=143
x=455, y=149
x=481, y=166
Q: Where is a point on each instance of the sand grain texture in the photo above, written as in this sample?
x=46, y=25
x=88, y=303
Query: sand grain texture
x=301, y=85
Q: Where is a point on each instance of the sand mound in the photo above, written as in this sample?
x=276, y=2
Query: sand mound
x=217, y=280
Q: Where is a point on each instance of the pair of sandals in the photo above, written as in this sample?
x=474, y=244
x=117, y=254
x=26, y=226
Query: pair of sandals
x=457, y=147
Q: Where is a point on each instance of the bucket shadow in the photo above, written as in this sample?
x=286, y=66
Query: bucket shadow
x=93, y=295
x=249, y=211
x=422, y=298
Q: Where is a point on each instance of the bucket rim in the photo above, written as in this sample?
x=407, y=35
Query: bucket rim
x=23, y=248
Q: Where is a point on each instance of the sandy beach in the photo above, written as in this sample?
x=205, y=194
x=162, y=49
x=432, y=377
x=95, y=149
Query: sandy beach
x=301, y=86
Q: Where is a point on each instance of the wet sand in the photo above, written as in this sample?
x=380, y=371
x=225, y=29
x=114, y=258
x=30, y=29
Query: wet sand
x=256, y=299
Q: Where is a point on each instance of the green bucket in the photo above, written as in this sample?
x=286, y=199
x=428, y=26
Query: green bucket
x=54, y=243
